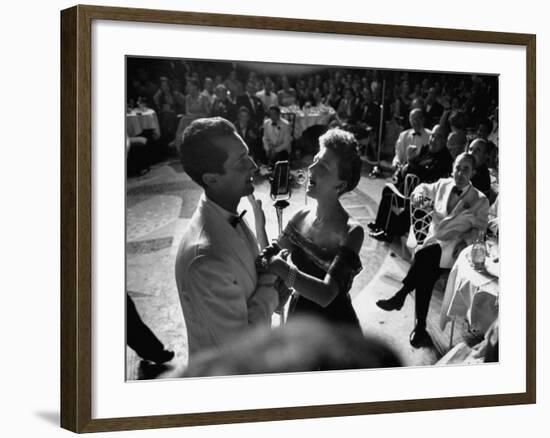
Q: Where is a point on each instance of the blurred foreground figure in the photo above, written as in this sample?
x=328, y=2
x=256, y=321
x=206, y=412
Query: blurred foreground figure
x=304, y=344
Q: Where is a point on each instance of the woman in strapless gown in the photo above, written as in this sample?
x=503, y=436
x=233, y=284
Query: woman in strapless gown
x=319, y=255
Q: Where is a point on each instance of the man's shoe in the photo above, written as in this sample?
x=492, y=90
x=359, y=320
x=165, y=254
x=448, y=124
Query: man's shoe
x=419, y=337
x=393, y=303
x=373, y=226
x=161, y=357
x=381, y=235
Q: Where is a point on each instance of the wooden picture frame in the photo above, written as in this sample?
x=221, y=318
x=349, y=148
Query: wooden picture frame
x=76, y=217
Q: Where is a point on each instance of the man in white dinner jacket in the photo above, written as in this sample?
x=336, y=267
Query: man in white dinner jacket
x=410, y=142
x=220, y=293
x=460, y=211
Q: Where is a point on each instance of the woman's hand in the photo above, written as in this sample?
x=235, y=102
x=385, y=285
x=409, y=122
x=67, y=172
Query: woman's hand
x=273, y=259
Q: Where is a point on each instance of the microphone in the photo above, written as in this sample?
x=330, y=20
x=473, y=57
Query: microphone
x=280, y=183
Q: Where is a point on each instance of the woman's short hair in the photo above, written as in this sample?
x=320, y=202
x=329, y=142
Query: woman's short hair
x=198, y=152
x=344, y=146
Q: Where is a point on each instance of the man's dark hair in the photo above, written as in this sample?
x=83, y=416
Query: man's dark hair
x=198, y=152
x=275, y=108
x=344, y=146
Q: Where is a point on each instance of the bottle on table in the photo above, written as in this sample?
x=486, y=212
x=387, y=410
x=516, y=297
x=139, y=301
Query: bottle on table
x=479, y=251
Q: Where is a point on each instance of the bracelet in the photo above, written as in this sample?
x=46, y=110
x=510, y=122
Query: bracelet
x=291, y=276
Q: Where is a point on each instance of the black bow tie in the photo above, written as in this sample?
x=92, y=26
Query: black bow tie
x=234, y=220
x=456, y=190
x=416, y=133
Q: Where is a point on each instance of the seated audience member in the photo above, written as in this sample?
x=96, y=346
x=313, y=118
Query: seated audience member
x=251, y=102
x=481, y=180
x=412, y=139
x=169, y=103
x=209, y=93
x=347, y=109
x=333, y=97
x=432, y=163
x=286, y=95
x=250, y=133
x=196, y=105
x=484, y=130
x=370, y=111
x=456, y=143
x=459, y=212
x=302, y=94
x=233, y=85
x=433, y=110
x=168, y=100
x=305, y=344
x=276, y=138
x=455, y=121
x=223, y=107
x=267, y=96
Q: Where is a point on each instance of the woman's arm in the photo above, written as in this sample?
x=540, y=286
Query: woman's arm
x=320, y=291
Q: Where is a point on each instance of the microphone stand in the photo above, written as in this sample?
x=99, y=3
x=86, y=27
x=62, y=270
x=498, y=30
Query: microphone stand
x=376, y=172
x=280, y=205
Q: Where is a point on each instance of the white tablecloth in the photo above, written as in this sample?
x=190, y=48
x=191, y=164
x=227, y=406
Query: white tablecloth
x=310, y=117
x=471, y=294
x=138, y=120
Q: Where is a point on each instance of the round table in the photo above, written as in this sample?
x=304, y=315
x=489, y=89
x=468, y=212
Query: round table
x=138, y=120
x=472, y=294
x=309, y=117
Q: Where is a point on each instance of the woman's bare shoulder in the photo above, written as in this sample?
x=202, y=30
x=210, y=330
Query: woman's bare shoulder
x=354, y=236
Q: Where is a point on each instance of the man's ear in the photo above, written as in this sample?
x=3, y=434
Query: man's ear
x=210, y=179
x=341, y=187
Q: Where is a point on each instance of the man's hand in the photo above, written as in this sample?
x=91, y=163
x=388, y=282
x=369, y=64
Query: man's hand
x=417, y=199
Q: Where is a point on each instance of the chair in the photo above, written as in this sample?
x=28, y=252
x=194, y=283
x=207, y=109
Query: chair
x=421, y=218
x=398, y=201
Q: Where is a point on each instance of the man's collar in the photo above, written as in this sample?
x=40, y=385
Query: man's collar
x=462, y=191
x=226, y=214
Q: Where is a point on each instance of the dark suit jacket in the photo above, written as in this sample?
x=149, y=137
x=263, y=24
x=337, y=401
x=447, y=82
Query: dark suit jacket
x=433, y=114
x=482, y=179
x=251, y=135
x=254, y=105
x=225, y=109
x=428, y=166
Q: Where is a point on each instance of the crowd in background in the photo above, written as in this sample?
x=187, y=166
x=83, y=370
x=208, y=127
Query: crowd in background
x=181, y=91
x=442, y=128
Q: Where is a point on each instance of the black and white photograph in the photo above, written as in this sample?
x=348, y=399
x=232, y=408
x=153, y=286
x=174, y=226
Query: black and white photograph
x=290, y=218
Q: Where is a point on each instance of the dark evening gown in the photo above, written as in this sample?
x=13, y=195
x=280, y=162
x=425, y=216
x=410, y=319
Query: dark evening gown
x=343, y=265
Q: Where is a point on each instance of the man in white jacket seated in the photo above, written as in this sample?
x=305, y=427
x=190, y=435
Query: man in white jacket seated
x=459, y=212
